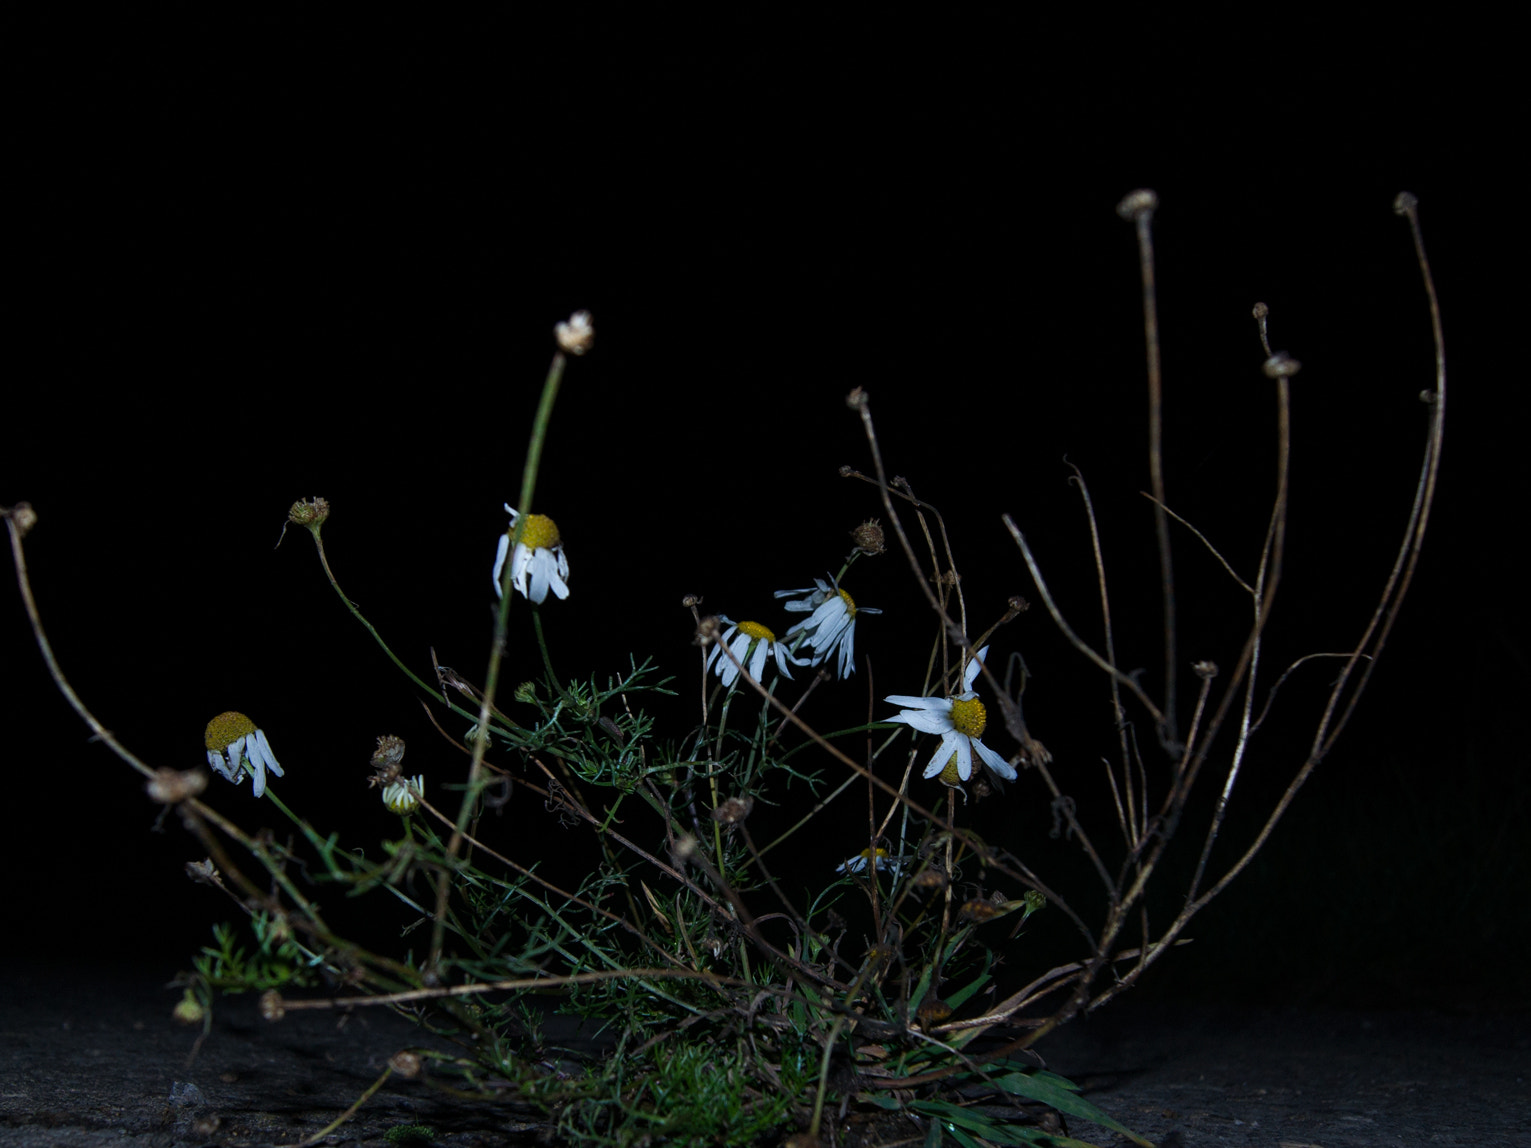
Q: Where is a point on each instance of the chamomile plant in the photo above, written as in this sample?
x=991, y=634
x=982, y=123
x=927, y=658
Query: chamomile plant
x=788, y=925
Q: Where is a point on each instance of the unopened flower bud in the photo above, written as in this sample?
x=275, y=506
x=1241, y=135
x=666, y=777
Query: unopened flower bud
x=403, y=797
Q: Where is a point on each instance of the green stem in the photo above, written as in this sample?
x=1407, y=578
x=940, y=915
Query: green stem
x=476, y=780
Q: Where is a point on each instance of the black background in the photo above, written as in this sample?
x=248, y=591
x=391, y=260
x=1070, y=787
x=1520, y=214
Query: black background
x=262, y=259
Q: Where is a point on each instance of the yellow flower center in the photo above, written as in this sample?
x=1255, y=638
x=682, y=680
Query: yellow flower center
x=850, y=603
x=969, y=717
x=950, y=775
x=757, y=631
x=227, y=728
x=539, y=533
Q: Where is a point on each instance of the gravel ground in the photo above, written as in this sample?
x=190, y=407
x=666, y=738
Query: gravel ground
x=94, y=1060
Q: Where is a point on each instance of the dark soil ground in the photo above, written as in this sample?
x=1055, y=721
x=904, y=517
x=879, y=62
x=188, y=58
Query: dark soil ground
x=95, y=1060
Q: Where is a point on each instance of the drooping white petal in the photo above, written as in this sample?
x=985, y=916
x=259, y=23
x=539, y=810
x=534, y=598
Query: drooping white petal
x=964, y=756
x=539, y=571
x=943, y=754
x=220, y=763
x=758, y=658
x=995, y=762
x=848, y=651
x=499, y=561
x=259, y=747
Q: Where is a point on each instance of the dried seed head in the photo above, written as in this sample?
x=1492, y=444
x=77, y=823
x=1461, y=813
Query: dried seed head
x=271, y=1006
x=389, y=752
x=405, y=1063
x=188, y=1010
x=203, y=872
x=1137, y=204
x=386, y=760
x=857, y=399
x=691, y=601
x=1405, y=202
x=1260, y=311
x=932, y=1011
x=1204, y=670
x=171, y=787
x=733, y=810
x=23, y=516
x=310, y=513
x=1281, y=366
x=928, y=879
x=979, y=910
x=577, y=335
x=707, y=631
x=869, y=538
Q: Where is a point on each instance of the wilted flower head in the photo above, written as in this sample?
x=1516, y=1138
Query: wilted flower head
x=959, y=721
x=750, y=643
x=233, y=743
x=868, y=858
x=832, y=624
x=539, y=562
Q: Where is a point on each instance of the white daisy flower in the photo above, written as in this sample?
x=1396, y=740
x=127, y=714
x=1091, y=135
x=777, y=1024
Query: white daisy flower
x=403, y=796
x=539, y=559
x=874, y=858
x=832, y=623
x=960, y=721
x=751, y=643
x=235, y=745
